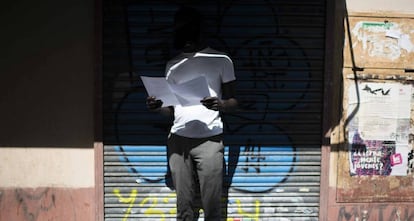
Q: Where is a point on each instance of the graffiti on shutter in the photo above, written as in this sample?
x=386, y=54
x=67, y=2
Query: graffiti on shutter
x=272, y=143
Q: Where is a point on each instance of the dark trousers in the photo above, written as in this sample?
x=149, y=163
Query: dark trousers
x=196, y=165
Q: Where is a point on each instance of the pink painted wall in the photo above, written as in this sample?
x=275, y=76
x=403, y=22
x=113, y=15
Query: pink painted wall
x=47, y=203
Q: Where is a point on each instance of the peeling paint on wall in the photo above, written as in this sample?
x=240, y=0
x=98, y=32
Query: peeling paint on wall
x=382, y=39
x=373, y=42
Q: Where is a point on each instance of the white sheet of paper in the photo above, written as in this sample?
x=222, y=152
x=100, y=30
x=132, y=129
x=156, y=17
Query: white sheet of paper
x=192, y=91
x=186, y=94
x=159, y=88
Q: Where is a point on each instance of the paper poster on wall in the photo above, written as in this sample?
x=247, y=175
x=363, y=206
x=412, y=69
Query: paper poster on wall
x=378, y=133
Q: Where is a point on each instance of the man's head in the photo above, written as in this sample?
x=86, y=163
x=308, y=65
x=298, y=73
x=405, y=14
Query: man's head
x=187, y=27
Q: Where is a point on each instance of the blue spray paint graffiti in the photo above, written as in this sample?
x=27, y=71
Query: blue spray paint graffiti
x=267, y=166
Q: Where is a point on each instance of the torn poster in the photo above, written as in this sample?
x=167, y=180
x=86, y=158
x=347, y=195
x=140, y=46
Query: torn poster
x=379, y=128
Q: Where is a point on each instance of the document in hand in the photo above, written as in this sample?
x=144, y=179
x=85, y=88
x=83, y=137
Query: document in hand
x=186, y=94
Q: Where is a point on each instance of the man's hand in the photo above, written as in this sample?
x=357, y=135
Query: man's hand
x=212, y=103
x=153, y=104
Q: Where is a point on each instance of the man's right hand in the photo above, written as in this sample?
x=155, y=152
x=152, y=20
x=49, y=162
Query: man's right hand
x=153, y=104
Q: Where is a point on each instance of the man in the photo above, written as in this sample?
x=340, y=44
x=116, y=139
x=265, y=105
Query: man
x=195, y=147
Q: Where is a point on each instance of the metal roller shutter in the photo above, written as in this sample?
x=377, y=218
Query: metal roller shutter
x=272, y=143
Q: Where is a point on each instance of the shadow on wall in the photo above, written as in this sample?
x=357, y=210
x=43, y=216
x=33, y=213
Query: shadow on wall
x=47, y=84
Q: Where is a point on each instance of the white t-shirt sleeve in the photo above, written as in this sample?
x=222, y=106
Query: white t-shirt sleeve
x=228, y=71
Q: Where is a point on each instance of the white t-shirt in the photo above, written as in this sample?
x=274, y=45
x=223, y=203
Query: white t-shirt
x=197, y=121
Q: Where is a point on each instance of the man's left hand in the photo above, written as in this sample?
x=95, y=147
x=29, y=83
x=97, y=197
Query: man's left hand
x=212, y=103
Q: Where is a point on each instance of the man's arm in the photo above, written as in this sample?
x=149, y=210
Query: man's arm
x=229, y=101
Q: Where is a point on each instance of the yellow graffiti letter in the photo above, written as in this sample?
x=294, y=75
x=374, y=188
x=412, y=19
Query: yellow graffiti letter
x=254, y=216
x=130, y=201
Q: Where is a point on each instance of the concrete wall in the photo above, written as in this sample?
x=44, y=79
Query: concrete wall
x=47, y=184
x=47, y=116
